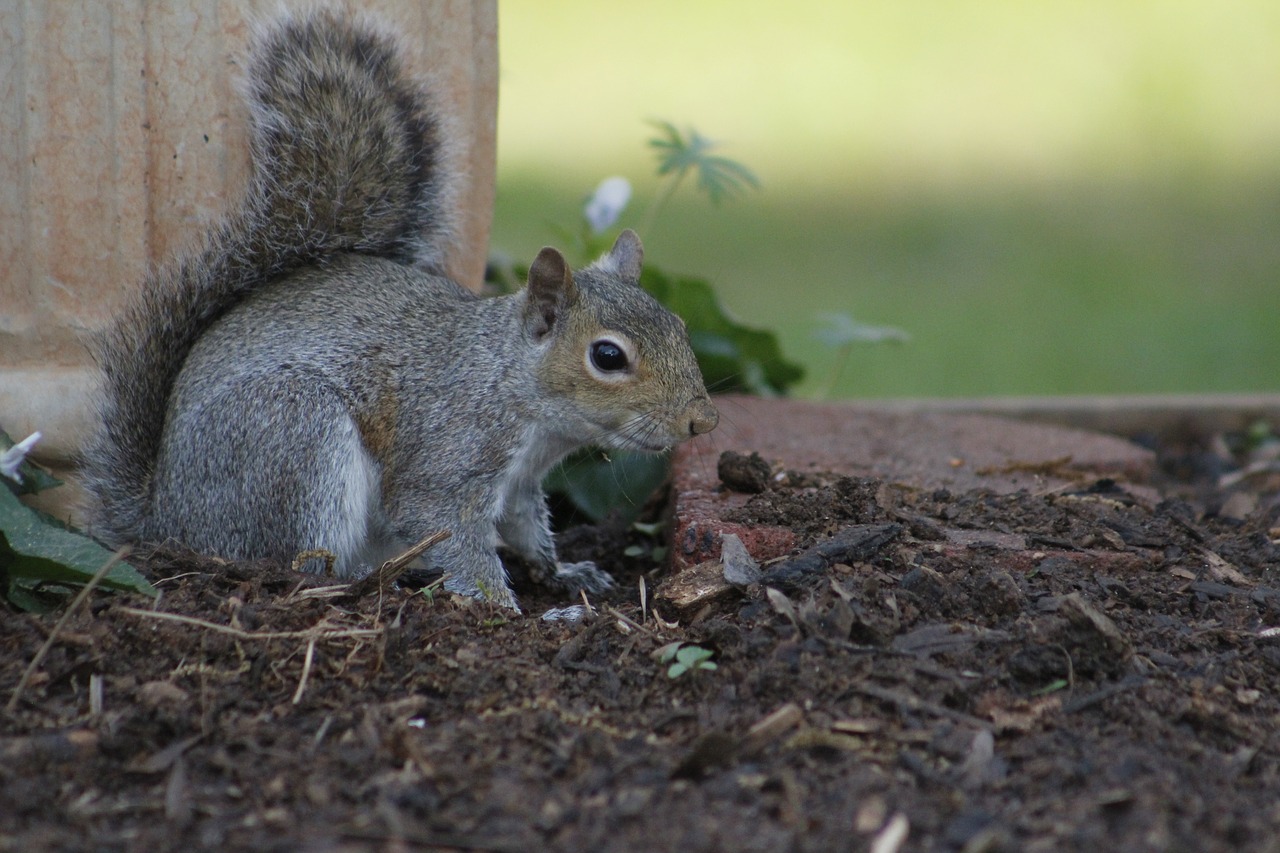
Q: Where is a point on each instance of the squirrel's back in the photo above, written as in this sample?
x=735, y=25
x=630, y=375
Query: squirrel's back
x=346, y=156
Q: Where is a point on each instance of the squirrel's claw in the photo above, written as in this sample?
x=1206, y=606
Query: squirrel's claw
x=572, y=578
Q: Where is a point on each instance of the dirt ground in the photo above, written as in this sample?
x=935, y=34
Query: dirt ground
x=1091, y=668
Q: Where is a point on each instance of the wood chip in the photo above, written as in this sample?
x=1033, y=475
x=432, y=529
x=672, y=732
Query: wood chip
x=695, y=587
x=1221, y=570
x=862, y=726
x=809, y=738
x=771, y=727
x=893, y=836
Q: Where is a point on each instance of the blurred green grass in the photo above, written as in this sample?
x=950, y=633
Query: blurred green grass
x=1055, y=197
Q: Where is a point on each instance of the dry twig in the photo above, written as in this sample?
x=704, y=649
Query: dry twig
x=627, y=620
x=318, y=631
x=306, y=670
x=392, y=569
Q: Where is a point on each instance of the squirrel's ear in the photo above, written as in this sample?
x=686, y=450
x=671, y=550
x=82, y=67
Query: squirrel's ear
x=550, y=291
x=627, y=255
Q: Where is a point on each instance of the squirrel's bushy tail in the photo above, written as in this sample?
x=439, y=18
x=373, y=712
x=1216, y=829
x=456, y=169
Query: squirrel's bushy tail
x=346, y=157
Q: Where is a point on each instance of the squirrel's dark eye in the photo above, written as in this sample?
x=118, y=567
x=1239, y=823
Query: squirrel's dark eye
x=608, y=356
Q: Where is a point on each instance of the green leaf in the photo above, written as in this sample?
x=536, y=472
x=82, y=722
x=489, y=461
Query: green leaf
x=667, y=653
x=675, y=153
x=24, y=596
x=35, y=548
x=718, y=176
x=599, y=483
x=842, y=330
x=692, y=656
x=648, y=529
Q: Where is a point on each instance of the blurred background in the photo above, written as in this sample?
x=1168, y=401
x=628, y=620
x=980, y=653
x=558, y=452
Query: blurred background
x=1057, y=197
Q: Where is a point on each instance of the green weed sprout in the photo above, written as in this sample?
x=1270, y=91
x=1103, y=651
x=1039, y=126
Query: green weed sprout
x=686, y=657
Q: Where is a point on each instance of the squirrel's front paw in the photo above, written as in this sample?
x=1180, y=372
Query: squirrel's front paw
x=575, y=577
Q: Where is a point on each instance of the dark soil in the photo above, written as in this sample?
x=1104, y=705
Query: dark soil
x=1088, y=669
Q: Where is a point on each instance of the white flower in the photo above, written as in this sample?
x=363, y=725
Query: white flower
x=607, y=203
x=14, y=456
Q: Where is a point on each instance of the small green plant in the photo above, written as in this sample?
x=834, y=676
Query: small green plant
x=430, y=591
x=41, y=559
x=655, y=552
x=686, y=657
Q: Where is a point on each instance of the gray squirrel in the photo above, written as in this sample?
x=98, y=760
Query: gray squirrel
x=307, y=378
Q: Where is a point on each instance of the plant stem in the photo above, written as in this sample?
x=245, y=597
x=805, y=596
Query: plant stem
x=659, y=202
x=837, y=368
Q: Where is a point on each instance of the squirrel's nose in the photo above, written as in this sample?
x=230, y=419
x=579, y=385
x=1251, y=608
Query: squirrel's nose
x=703, y=417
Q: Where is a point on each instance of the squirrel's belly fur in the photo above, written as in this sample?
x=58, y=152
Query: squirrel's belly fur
x=305, y=378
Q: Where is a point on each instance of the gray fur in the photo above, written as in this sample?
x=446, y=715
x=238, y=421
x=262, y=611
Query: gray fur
x=308, y=379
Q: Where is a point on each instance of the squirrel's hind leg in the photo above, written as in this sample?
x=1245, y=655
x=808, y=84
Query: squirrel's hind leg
x=268, y=467
x=525, y=527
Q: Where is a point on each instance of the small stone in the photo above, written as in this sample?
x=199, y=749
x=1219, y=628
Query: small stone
x=740, y=568
x=1085, y=616
x=1239, y=506
x=741, y=473
x=155, y=694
